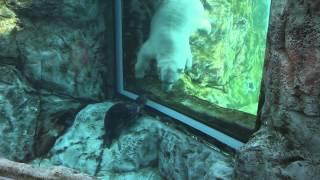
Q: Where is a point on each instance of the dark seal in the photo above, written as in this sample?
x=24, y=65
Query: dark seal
x=121, y=116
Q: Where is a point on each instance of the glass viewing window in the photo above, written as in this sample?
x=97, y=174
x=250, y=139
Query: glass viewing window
x=219, y=94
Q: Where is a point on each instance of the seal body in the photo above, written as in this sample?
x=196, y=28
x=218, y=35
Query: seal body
x=120, y=116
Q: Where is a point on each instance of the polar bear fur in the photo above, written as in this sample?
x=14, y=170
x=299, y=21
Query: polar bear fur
x=171, y=27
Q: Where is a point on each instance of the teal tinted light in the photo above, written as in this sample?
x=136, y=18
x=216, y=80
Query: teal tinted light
x=221, y=88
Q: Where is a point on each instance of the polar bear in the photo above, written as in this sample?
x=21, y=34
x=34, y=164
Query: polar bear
x=171, y=27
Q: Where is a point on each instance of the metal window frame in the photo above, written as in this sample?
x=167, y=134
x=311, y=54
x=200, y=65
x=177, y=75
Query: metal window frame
x=217, y=135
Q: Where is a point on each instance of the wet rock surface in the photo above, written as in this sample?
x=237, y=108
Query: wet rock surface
x=287, y=145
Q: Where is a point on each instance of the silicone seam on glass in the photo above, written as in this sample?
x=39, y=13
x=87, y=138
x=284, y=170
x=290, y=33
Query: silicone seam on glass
x=221, y=137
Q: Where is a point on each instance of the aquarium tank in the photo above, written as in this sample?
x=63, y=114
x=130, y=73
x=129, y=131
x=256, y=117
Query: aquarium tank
x=221, y=86
x=159, y=89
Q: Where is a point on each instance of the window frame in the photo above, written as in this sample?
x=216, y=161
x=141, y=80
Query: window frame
x=216, y=134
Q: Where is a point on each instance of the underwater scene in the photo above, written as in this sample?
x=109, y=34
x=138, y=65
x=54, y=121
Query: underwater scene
x=219, y=83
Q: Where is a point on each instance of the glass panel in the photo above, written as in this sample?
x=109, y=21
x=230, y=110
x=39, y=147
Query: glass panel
x=225, y=40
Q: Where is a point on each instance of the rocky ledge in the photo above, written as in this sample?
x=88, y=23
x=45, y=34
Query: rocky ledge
x=148, y=150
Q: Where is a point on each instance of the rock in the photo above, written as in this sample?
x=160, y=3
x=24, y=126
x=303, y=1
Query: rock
x=181, y=157
x=61, y=59
x=136, y=148
x=59, y=45
x=54, y=56
x=80, y=147
x=75, y=12
x=287, y=144
x=141, y=149
x=14, y=170
x=19, y=110
x=56, y=115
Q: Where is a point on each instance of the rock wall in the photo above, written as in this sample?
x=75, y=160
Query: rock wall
x=54, y=60
x=288, y=142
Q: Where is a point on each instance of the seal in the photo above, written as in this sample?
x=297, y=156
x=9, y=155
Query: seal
x=121, y=116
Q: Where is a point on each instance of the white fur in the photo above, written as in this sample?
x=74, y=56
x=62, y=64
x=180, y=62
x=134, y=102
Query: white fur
x=171, y=27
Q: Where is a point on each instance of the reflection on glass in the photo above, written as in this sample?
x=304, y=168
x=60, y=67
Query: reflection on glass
x=226, y=47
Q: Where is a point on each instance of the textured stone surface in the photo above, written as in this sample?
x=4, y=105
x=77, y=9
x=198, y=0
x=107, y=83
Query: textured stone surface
x=287, y=145
x=181, y=157
x=75, y=11
x=142, y=149
x=19, y=109
x=59, y=47
x=80, y=147
x=56, y=115
x=65, y=60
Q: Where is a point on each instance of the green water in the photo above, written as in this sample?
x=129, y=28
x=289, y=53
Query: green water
x=228, y=63
x=224, y=84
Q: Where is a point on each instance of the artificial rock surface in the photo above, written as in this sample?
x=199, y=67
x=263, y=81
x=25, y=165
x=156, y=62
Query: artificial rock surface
x=57, y=52
x=288, y=142
x=149, y=147
x=59, y=45
x=19, y=110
